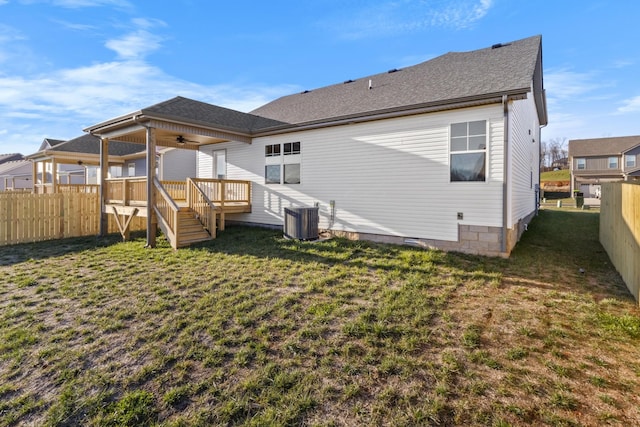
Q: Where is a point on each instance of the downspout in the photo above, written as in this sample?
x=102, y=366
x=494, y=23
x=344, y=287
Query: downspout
x=505, y=172
x=539, y=181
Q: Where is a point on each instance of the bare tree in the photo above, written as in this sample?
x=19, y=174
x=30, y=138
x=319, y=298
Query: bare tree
x=556, y=150
x=544, y=154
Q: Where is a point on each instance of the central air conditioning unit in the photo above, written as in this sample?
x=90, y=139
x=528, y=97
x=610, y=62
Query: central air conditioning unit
x=301, y=223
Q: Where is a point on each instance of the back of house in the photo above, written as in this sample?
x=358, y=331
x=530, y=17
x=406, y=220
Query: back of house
x=442, y=154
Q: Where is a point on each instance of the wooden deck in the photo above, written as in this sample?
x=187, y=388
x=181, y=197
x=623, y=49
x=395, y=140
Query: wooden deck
x=187, y=211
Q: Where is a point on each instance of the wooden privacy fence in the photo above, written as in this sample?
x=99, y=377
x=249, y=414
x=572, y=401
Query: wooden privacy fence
x=28, y=217
x=620, y=230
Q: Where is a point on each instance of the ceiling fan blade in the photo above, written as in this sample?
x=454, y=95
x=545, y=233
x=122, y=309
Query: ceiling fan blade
x=182, y=140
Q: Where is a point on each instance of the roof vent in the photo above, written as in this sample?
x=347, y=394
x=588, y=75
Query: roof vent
x=305, y=91
x=499, y=45
x=349, y=81
x=393, y=70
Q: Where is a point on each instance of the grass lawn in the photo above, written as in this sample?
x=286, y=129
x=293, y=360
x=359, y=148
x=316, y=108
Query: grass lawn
x=559, y=175
x=252, y=329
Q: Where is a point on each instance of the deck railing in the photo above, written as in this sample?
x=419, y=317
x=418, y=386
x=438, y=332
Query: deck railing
x=176, y=189
x=66, y=188
x=166, y=211
x=223, y=191
x=205, y=210
x=79, y=188
x=133, y=191
x=126, y=191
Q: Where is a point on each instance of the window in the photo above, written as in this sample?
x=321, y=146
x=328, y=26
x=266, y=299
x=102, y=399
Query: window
x=285, y=168
x=630, y=161
x=272, y=174
x=219, y=164
x=613, y=163
x=468, y=151
x=272, y=150
x=581, y=164
x=115, y=171
x=131, y=169
x=291, y=148
x=292, y=173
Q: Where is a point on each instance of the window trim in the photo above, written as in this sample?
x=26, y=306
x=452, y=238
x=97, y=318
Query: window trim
x=626, y=160
x=468, y=138
x=287, y=153
x=581, y=161
x=617, y=162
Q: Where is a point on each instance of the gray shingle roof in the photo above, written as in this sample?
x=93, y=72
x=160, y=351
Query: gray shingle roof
x=602, y=146
x=208, y=114
x=507, y=68
x=49, y=143
x=10, y=157
x=89, y=144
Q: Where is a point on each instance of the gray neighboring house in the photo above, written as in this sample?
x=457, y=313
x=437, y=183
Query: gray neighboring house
x=598, y=160
x=15, y=174
x=77, y=161
x=10, y=157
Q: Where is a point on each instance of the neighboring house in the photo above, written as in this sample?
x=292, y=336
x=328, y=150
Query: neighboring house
x=560, y=164
x=16, y=175
x=598, y=160
x=77, y=161
x=10, y=157
x=442, y=154
x=49, y=143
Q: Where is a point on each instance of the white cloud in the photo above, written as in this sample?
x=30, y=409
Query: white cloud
x=8, y=34
x=407, y=16
x=563, y=84
x=76, y=4
x=61, y=103
x=134, y=45
x=630, y=105
x=74, y=26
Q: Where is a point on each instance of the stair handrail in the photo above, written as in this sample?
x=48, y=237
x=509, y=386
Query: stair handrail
x=196, y=198
x=166, y=210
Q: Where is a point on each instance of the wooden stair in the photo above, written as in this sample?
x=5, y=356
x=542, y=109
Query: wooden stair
x=190, y=230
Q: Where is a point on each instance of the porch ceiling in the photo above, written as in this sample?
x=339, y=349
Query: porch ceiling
x=168, y=133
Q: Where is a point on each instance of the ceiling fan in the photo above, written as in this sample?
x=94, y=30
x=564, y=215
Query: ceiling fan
x=182, y=140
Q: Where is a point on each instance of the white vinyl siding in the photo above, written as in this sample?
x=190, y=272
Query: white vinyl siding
x=524, y=169
x=386, y=177
x=177, y=164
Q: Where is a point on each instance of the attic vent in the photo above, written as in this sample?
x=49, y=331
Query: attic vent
x=499, y=45
x=305, y=91
x=349, y=81
x=393, y=70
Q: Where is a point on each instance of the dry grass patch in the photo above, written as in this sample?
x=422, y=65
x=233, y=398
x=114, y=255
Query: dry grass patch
x=252, y=329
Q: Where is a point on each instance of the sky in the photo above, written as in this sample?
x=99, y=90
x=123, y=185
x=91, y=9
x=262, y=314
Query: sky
x=69, y=64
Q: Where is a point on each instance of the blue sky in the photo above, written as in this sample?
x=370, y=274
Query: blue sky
x=68, y=64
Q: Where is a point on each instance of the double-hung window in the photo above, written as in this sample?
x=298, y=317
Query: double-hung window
x=282, y=163
x=468, y=148
x=581, y=163
x=613, y=163
x=630, y=161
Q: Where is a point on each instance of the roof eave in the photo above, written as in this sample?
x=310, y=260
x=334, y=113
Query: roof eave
x=406, y=110
x=141, y=116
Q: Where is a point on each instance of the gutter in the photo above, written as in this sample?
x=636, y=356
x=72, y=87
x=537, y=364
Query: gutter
x=391, y=113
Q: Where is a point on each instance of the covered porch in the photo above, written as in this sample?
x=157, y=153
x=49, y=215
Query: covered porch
x=186, y=212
